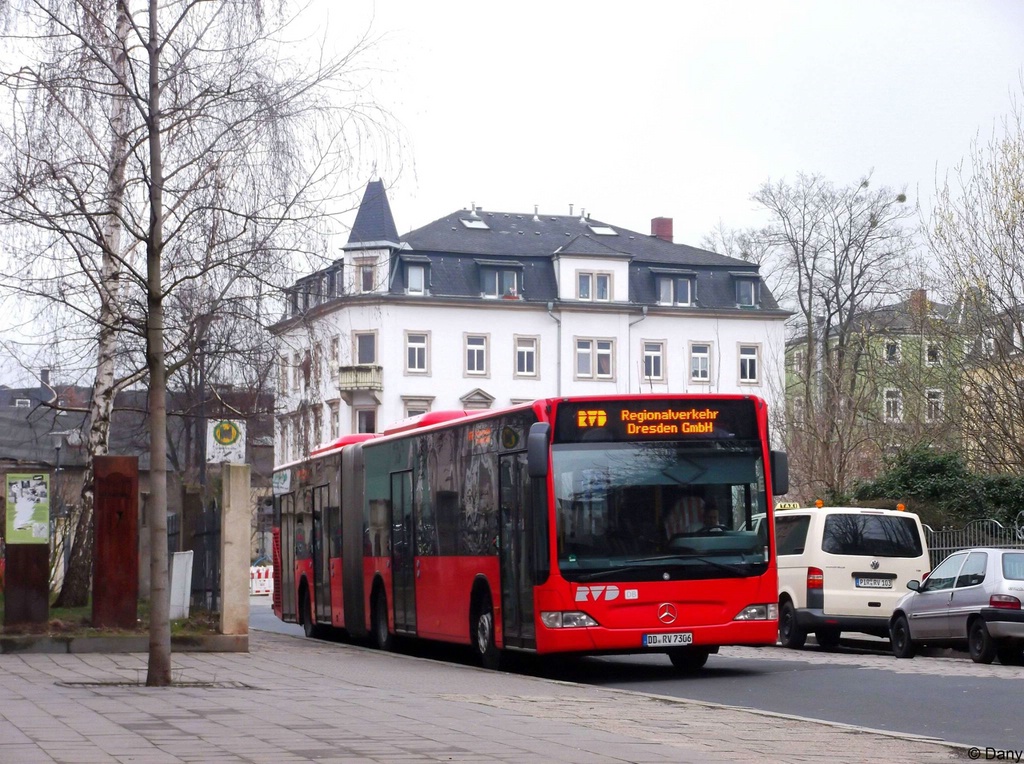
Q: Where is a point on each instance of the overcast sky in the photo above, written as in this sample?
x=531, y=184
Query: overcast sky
x=679, y=109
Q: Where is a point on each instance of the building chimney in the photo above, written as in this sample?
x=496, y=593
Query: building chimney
x=662, y=228
x=44, y=377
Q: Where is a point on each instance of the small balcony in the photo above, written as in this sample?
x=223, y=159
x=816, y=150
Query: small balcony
x=363, y=378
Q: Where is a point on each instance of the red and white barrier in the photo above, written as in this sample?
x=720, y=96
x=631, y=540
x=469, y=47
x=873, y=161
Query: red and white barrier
x=261, y=580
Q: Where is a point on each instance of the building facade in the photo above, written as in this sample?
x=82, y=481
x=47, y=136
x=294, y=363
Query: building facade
x=483, y=309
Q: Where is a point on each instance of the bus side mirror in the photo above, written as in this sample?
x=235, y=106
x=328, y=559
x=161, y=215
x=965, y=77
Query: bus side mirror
x=780, y=473
x=537, y=449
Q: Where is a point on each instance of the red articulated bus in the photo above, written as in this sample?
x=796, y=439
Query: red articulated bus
x=579, y=525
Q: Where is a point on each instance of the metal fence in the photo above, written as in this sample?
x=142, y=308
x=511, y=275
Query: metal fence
x=945, y=541
x=206, y=563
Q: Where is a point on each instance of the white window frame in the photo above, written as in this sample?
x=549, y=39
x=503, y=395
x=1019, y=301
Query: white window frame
x=417, y=405
x=584, y=286
x=937, y=348
x=358, y=415
x=410, y=370
x=895, y=357
x=282, y=375
x=747, y=353
x=593, y=349
x=334, y=412
x=746, y=288
x=296, y=372
x=673, y=283
x=934, y=404
x=653, y=350
x=410, y=269
x=531, y=348
x=356, y=336
x=892, y=405
x=492, y=278
x=598, y=278
x=366, y=271
x=708, y=359
x=593, y=280
x=481, y=350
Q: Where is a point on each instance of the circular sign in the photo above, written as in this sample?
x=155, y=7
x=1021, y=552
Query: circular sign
x=225, y=432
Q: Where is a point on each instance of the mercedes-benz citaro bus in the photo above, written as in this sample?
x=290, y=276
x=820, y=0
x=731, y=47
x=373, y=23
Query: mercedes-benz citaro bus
x=582, y=525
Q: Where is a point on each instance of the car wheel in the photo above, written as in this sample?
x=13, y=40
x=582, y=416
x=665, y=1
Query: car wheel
x=980, y=643
x=383, y=639
x=790, y=635
x=827, y=638
x=689, y=660
x=1010, y=652
x=487, y=652
x=899, y=638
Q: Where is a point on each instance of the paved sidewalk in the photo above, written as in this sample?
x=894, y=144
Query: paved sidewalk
x=295, y=700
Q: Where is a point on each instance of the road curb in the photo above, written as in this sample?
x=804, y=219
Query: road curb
x=205, y=643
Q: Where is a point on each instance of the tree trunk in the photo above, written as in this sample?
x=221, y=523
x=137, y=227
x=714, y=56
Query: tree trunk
x=159, y=673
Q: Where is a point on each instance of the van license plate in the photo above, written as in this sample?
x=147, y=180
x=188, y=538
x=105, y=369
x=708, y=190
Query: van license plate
x=668, y=640
x=874, y=583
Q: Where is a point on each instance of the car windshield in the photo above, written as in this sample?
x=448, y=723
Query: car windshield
x=651, y=511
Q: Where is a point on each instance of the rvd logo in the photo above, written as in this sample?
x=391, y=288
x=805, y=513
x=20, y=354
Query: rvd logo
x=594, y=593
x=592, y=418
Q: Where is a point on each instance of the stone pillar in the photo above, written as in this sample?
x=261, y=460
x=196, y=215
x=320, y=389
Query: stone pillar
x=235, y=522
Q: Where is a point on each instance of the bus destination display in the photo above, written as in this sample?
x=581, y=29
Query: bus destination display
x=678, y=419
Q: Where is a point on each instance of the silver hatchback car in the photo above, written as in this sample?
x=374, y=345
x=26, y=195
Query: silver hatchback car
x=971, y=599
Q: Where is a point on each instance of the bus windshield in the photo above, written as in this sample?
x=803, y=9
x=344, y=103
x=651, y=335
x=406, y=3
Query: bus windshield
x=646, y=511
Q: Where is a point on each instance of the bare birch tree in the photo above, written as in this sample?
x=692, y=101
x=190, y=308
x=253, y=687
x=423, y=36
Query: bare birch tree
x=161, y=157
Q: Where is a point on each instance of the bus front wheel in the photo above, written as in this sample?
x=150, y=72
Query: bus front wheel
x=483, y=636
x=383, y=639
x=689, y=660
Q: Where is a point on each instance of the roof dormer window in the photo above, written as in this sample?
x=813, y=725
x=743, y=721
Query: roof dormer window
x=675, y=290
x=415, y=279
x=501, y=279
x=747, y=290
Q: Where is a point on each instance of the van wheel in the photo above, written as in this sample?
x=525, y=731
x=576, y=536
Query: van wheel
x=827, y=638
x=487, y=652
x=790, y=635
x=688, y=660
x=899, y=638
x=980, y=643
x=383, y=639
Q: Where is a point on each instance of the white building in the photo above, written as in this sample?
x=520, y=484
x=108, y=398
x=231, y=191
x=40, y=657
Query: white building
x=484, y=309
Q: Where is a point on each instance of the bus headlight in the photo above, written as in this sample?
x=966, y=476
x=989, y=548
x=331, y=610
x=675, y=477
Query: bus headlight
x=571, y=619
x=769, y=612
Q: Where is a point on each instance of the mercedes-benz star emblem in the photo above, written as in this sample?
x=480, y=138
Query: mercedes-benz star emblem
x=667, y=613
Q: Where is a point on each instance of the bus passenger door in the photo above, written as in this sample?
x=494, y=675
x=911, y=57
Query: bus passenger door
x=517, y=565
x=403, y=553
x=320, y=544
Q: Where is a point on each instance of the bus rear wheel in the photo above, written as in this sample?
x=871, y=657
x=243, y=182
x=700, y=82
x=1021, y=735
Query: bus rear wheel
x=383, y=639
x=689, y=660
x=487, y=652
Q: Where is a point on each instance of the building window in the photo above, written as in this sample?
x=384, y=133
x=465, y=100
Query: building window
x=749, y=364
x=282, y=375
x=366, y=420
x=675, y=290
x=933, y=356
x=594, y=359
x=416, y=406
x=497, y=282
x=797, y=360
x=799, y=411
x=367, y=273
x=893, y=352
x=653, y=358
x=318, y=424
x=893, y=405
x=594, y=286
x=989, y=345
x=416, y=353
x=334, y=426
x=296, y=372
x=335, y=357
x=526, y=356
x=476, y=354
x=933, y=405
x=415, y=279
x=746, y=292
x=366, y=347
x=700, y=362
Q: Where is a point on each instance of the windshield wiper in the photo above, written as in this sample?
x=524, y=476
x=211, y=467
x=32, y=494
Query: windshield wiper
x=644, y=563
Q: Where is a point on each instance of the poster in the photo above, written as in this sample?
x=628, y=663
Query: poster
x=28, y=508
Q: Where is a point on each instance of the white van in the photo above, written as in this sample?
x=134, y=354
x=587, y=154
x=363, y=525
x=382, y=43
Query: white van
x=843, y=569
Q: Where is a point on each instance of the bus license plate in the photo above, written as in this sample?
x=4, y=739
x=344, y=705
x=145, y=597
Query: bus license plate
x=874, y=583
x=668, y=640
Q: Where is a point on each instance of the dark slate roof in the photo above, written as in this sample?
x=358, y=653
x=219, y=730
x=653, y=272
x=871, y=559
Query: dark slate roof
x=454, y=275
x=374, y=221
x=520, y=235
x=902, y=317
